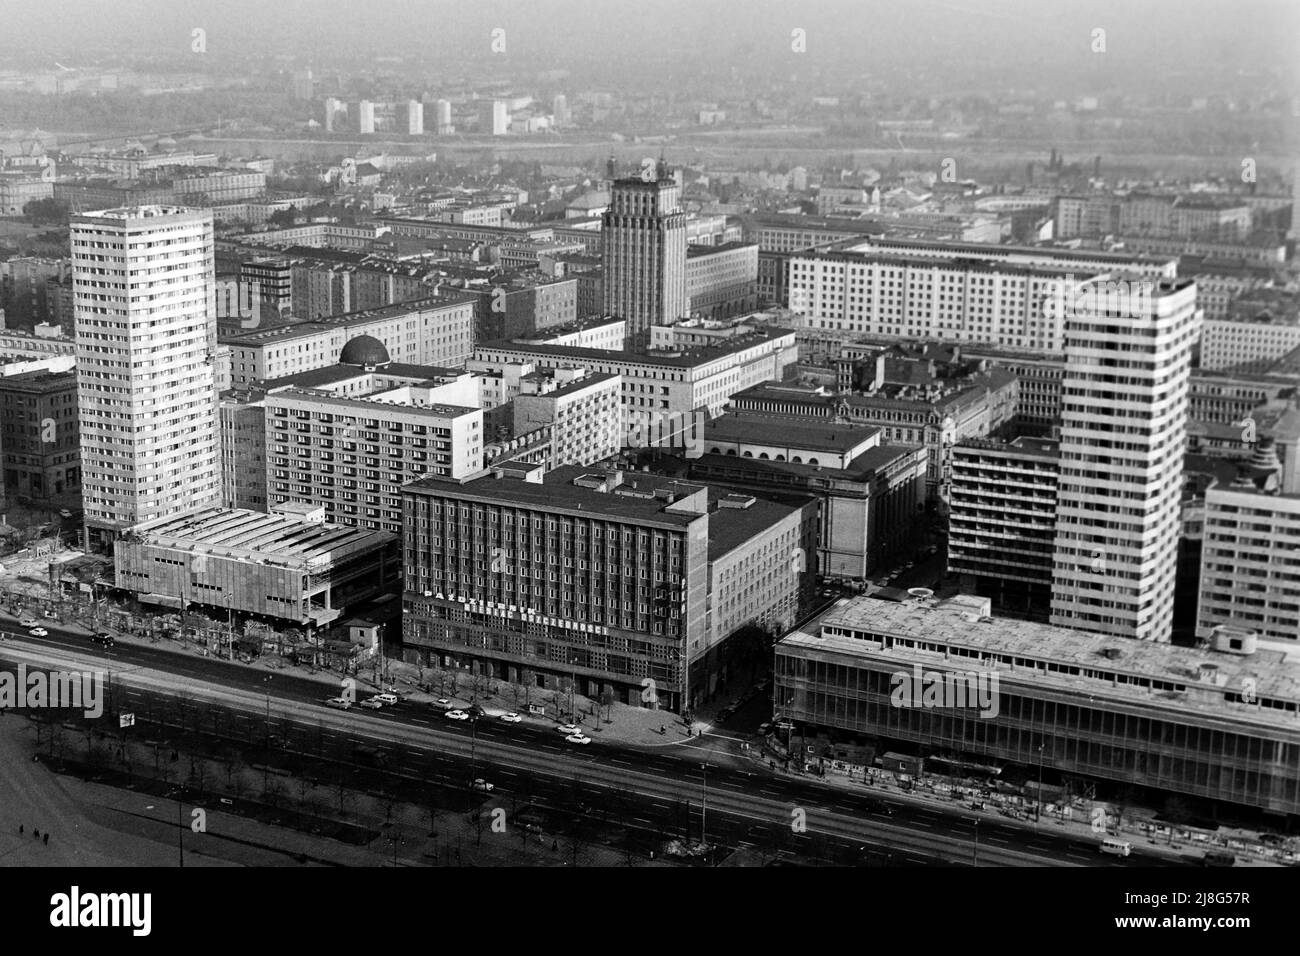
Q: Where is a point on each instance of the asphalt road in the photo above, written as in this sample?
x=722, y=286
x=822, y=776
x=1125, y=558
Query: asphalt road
x=418, y=741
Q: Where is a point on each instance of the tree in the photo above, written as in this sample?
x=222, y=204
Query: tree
x=283, y=218
x=41, y=211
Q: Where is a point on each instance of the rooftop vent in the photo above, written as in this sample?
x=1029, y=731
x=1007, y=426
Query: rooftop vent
x=736, y=501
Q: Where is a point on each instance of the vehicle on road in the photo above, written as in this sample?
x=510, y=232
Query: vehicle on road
x=511, y=718
x=568, y=729
x=456, y=715
x=371, y=703
x=578, y=739
x=880, y=806
x=1115, y=847
x=385, y=699
x=442, y=703
x=976, y=805
x=475, y=711
x=483, y=785
x=339, y=703
x=65, y=513
x=28, y=621
x=39, y=632
x=103, y=637
x=1218, y=858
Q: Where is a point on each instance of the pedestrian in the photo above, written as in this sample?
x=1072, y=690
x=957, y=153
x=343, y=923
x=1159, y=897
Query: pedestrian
x=47, y=838
x=20, y=828
x=36, y=834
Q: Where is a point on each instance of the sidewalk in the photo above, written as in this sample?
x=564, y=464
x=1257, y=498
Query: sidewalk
x=1187, y=845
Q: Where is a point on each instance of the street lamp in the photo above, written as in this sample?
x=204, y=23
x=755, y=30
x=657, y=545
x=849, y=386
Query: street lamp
x=267, y=681
x=573, y=686
x=473, y=741
x=704, y=807
x=1038, y=813
x=977, y=842
x=180, y=825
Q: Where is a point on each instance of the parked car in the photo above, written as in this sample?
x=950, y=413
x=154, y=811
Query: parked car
x=442, y=703
x=65, y=513
x=456, y=715
x=568, y=729
x=28, y=621
x=511, y=718
x=339, y=703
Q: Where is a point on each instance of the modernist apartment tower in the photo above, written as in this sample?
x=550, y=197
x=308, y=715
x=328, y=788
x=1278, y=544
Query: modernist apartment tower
x=146, y=343
x=644, y=243
x=1128, y=351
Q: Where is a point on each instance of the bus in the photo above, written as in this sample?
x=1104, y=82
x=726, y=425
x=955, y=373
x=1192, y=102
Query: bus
x=1116, y=847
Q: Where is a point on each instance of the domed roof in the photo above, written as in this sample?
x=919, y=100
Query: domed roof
x=365, y=351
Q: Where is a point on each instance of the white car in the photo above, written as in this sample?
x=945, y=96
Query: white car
x=442, y=703
x=456, y=715
x=481, y=784
x=38, y=632
x=340, y=703
x=386, y=698
x=65, y=513
x=511, y=718
x=29, y=621
x=569, y=729
x=371, y=703
x=578, y=739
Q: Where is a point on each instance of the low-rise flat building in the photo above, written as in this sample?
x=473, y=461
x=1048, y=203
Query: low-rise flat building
x=1216, y=724
x=273, y=566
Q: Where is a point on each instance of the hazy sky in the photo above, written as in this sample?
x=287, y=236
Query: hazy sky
x=950, y=37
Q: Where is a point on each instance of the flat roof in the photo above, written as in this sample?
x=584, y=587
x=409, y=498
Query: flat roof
x=317, y=377
x=1022, y=651
x=814, y=436
x=252, y=535
x=333, y=323
x=678, y=358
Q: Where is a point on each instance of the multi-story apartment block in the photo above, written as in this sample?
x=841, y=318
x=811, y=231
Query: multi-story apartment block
x=1250, y=564
x=722, y=281
x=349, y=437
x=1001, y=526
x=220, y=185
x=1123, y=436
x=508, y=309
x=955, y=300
x=627, y=583
x=434, y=331
x=272, y=278
x=243, y=449
x=644, y=247
x=582, y=410
x=38, y=434
x=657, y=384
x=146, y=345
x=1230, y=342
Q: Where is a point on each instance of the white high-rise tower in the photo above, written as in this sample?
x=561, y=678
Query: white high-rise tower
x=146, y=347
x=1128, y=353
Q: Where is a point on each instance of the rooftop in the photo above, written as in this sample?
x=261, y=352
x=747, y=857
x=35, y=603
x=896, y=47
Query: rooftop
x=812, y=436
x=677, y=358
x=262, y=538
x=1081, y=662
